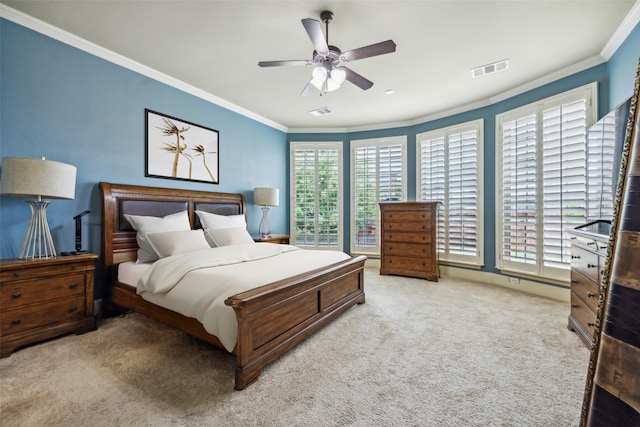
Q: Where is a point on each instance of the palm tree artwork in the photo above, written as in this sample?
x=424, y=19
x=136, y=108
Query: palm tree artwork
x=200, y=151
x=178, y=149
x=170, y=129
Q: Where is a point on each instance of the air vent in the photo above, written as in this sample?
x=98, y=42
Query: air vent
x=490, y=68
x=321, y=111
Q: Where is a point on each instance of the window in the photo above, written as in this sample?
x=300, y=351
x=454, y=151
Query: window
x=378, y=169
x=541, y=182
x=316, y=180
x=449, y=170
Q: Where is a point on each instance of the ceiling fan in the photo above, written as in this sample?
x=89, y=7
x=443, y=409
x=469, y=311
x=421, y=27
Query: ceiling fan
x=329, y=72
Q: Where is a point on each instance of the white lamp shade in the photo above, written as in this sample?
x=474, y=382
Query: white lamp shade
x=266, y=196
x=24, y=177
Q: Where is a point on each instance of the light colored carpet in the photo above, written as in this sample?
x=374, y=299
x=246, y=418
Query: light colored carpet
x=418, y=353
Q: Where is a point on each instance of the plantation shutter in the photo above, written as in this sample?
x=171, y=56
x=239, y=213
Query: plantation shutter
x=316, y=207
x=563, y=178
x=378, y=175
x=449, y=171
x=542, y=182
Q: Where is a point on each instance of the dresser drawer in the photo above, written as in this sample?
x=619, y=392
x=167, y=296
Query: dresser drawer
x=32, y=316
x=407, y=263
x=586, y=263
x=21, y=292
x=398, y=236
x=405, y=215
x=406, y=226
x=585, y=317
x=407, y=249
x=585, y=289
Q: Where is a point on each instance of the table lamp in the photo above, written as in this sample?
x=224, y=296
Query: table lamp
x=39, y=178
x=265, y=197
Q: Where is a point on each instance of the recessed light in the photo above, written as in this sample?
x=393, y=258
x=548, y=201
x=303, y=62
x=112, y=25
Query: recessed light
x=389, y=92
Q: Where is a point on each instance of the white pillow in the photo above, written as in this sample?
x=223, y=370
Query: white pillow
x=212, y=221
x=177, y=242
x=153, y=224
x=229, y=236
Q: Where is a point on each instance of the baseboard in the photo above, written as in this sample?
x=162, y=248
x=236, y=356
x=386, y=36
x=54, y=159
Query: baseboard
x=556, y=292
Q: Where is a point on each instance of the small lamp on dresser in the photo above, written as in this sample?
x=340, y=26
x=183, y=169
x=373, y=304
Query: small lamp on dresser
x=39, y=178
x=266, y=197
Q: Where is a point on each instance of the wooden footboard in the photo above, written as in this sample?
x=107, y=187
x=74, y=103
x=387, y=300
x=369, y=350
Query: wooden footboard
x=271, y=319
x=274, y=318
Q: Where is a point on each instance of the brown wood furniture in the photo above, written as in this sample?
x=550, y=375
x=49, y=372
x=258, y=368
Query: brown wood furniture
x=41, y=299
x=408, y=243
x=271, y=319
x=588, y=255
x=282, y=239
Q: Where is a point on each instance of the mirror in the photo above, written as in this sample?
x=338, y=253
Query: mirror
x=612, y=391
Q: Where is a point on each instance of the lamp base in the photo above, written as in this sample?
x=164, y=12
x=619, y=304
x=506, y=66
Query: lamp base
x=38, y=243
x=265, y=224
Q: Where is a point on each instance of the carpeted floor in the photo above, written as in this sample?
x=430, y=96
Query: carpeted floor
x=418, y=353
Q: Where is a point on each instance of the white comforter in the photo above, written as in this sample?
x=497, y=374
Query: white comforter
x=196, y=284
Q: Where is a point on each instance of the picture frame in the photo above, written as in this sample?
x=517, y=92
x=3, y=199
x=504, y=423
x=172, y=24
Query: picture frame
x=180, y=150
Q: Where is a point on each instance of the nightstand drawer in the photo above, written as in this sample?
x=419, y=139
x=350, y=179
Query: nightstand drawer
x=21, y=292
x=33, y=316
x=28, y=270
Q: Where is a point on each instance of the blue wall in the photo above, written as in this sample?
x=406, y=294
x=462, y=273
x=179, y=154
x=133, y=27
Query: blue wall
x=67, y=105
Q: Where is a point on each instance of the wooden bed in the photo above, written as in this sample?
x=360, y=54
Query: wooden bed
x=271, y=319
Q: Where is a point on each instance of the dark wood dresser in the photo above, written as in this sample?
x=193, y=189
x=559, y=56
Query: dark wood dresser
x=41, y=299
x=588, y=255
x=409, y=239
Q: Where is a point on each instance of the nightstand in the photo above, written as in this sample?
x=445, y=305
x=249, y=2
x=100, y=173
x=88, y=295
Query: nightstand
x=41, y=299
x=282, y=239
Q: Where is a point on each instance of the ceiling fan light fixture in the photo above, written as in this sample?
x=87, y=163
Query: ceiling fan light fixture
x=318, y=77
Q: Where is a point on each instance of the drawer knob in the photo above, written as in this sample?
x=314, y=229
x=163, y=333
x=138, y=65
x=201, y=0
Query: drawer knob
x=591, y=265
x=574, y=281
x=73, y=285
x=590, y=324
x=575, y=256
x=72, y=308
x=16, y=321
x=591, y=294
x=574, y=306
x=16, y=294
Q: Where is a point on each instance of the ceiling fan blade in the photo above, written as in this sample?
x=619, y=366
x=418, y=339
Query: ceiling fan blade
x=284, y=63
x=367, y=51
x=357, y=79
x=315, y=34
x=308, y=89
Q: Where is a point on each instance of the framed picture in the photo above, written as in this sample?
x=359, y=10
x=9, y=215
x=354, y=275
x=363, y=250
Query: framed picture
x=177, y=149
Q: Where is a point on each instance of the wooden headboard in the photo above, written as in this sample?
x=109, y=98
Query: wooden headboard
x=119, y=239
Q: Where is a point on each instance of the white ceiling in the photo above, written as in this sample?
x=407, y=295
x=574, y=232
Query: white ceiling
x=215, y=46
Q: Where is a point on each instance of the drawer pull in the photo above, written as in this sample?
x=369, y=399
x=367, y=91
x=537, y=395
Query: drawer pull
x=16, y=321
x=591, y=294
x=574, y=306
x=575, y=256
x=16, y=294
x=73, y=285
x=591, y=324
x=591, y=243
x=591, y=265
x=72, y=308
x=574, y=281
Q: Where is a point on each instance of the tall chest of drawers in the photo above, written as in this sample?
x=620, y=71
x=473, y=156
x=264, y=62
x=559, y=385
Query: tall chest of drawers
x=409, y=239
x=42, y=299
x=588, y=255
